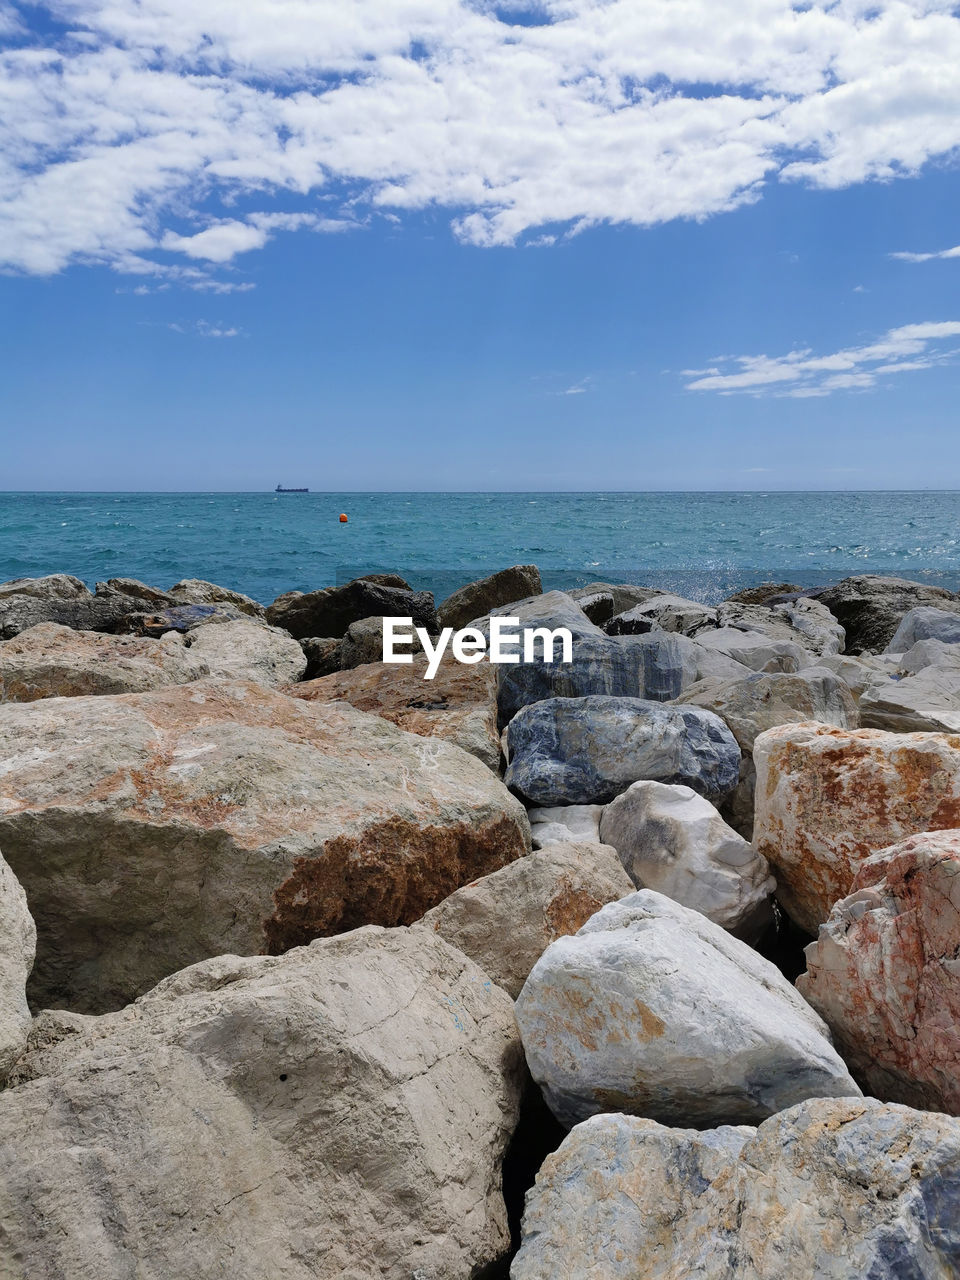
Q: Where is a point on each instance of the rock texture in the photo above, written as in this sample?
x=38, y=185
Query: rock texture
x=565, y=823
x=651, y=1009
x=871, y=608
x=153, y=830
x=25, y=602
x=322, y=654
x=828, y=798
x=928, y=700
x=330, y=611
x=588, y=750
x=805, y=622
x=506, y=920
x=672, y=840
x=182, y=618
x=519, y=582
x=18, y=940
x=884, y=973
x=53, y=661
x=601, y=600
x=663, y=613
x=829, y=1189
x=249, y=651
x=335, y=1114
x=196, y=591
x=459, y=704
x=755, y=649
x=925, y=624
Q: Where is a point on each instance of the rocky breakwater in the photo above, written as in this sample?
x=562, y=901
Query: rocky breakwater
x=152, y=830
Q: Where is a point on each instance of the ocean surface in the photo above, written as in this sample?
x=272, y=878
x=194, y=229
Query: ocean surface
x=704, y=545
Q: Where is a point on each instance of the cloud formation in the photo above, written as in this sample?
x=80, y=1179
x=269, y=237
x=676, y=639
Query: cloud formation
x=928, y=257
x=131, y=135
x=801, y=374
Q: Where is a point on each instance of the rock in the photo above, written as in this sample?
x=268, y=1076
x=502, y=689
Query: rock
x=127, y=589
x=18, y=941
x=478, y=598
x=755, y=649
x=830, y=1189
x=926, y=653
x=871, y=608
x=672, y=840
x=26, y=602
x=551, y=609
x=588, y=750
x=663, y=613
x=803, y=622
x=330, y=611
x=858, y=673
x=764, y=592
x=196, y=591
x=758, y=702
x=249, y=650
x=56, y=586
x=827, y=798
x=506, y=920
x=928, y=700
x=53, y=661
x=885, y=976
x=322, y=654
x=601, y=600
x=459, y=704
x=363, y=644
x=339, y=1112
x=153, y=830
x=564, y=824
x=182, y=618
x=651, y=1009
x=925, y=624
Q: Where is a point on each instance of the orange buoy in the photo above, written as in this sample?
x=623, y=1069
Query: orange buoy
x=343, y=518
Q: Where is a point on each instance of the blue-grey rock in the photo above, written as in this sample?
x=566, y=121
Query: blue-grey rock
x=587, y=750
x=182, y=618
x=654, y=1010
x=925, y=624
x=831, y=1189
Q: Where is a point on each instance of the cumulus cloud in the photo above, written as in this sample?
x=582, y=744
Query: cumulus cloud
x=801, y=374
x=131, y=137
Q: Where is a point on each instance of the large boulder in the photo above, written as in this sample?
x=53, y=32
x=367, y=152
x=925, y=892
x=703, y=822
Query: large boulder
x=672, y=840
x=600, y=601
x=197, y=591
x=182, y=618
x=25, y=602
x=18, y=941
x=55, y=586
x=249, y=650
x=459, y=704
x=323, y=655
x=885, y=975
x=755, y=649
x=870, y=608
x=330, y=611
x=53, y=661
x=827, y=798
x=805, y=622
x=925, y=624
x=153, y=830
x=663, y=613
x=653, y=1010
x=506, y=920
x=519, y=582
x=827, y=1190
x=764, y=593
x=564, y=824
x=337, y=1113
x=550, y=609
x=861, y=672
x=588, y=750
x=928, y=700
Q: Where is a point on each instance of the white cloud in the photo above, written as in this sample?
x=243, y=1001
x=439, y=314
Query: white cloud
x=801, y=374
x=928, y=257
x=133, y=137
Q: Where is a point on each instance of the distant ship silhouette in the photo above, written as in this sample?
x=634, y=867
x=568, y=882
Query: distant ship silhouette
x=281, y=489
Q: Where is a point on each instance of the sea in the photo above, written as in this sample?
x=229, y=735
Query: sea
x=701, y=545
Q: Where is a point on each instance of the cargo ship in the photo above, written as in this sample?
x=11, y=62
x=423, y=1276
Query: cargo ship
x=281, y=489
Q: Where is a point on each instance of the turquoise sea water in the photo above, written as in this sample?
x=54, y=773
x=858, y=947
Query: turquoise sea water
x=703, y=544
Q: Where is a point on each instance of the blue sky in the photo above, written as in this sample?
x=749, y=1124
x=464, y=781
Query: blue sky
x=519, y=256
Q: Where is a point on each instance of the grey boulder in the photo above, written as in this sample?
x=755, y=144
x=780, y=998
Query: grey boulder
x=925, y=624
x=870, y=608
x=248, y=650
x=329, y=611
x=519, y=582
x=18, y=941
x=197, y=591
x=564, y=823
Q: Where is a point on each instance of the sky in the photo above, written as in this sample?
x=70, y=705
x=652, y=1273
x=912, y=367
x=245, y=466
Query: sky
x=451, y=244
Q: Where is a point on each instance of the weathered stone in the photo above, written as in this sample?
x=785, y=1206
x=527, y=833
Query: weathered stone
x=926, y=653
x=56, y=586
x=506, y=920
x=858, y=673
x=871, y=608
x=831, y=1189
x=322, y=654
x=827, y=798
x=133, y=589
x=758, y=702
x=52, y=661
x=182, y=618
x=885, y=975
x=804, y=622
x=459, y=704
x=519, y=582
x=663, y=613
x=565, y=823
x=248, y=650
x=18, y=941
x=337, y=1113
x=363, y=644
x=651, y=1009
x=925, y=624
x=196, y=591
x=330, y=611
x=588, y=750
x=672, y=840
x=601, y=600
x=26, y=602
x=755, y=649
x=928, y=700
x=764, y=592
x=153, y=830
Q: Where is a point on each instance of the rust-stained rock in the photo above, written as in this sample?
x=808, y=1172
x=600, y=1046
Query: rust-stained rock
x=826, y=798
x=153, y=830
x=459, y=704
x=506, y=920
x=885, y=975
